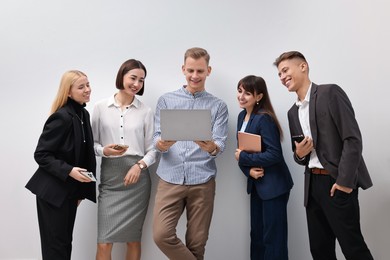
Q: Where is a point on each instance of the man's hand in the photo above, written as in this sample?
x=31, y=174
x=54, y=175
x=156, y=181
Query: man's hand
x=208, y=146
x=339, y=187
x=304, y=147
x=164, y=145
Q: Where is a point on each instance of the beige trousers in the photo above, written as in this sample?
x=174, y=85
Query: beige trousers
x=171, y=200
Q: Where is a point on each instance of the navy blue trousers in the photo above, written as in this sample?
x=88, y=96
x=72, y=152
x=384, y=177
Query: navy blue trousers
x=268, y=227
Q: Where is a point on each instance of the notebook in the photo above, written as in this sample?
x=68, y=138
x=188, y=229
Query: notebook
x=249, y=142
x=185, y=124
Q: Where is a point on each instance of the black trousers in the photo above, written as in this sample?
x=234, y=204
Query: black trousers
x=56, y=229
x=330, y=218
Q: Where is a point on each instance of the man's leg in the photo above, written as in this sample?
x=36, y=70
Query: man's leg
x=321, y=236
x=344, y=218
x=169, y=205
x=200, y=205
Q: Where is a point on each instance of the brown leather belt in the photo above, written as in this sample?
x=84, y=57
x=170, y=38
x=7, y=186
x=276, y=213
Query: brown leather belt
x=319, y=171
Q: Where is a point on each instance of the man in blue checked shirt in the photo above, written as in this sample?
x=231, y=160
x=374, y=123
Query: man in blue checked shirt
x=187, y=169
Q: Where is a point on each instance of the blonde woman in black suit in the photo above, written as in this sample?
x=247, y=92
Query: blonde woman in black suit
x=64, y=154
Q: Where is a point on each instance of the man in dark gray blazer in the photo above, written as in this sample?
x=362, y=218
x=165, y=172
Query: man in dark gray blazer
x=326, y=139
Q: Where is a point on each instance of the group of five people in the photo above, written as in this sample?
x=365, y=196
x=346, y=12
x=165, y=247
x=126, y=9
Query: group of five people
x=126, y=134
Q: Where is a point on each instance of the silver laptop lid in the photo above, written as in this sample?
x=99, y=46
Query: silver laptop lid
x=185, y=124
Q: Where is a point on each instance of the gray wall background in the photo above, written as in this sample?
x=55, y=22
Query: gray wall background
x=345, y=42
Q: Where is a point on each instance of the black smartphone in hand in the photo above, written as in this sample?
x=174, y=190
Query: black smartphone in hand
x=298, y=138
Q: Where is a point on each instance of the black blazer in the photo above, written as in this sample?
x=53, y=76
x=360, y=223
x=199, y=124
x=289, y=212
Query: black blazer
x=336, y=136
x=57, y=152
x=277, y=178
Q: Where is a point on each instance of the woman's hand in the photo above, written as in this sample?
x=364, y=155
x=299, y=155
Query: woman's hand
x=237, y=154
x=76, y=174
x=109, y=150
x=256, y=172
x=132, y=175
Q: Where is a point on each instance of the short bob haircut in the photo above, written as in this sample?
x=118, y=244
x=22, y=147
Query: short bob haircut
x=126, y=67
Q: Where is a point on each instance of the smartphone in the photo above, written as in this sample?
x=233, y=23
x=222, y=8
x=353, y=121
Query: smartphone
x=89, y=175
x=120, y=146
x=298, y=138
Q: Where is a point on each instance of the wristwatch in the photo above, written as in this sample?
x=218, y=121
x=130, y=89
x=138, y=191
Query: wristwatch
x=141, y=166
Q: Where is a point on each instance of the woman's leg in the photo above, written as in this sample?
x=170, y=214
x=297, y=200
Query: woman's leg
x=103, y=251
x=133, y=251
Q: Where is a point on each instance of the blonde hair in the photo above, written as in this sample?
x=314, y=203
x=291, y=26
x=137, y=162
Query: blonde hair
x=67, y=81
x=197, y=53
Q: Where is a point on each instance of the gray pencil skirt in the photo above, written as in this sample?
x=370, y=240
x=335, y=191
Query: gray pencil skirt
x=121, y=209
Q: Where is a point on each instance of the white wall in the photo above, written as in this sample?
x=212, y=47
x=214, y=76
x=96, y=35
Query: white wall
x=345, y=42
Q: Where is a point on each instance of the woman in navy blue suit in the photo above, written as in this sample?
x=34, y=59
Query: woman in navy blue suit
x=269, y=180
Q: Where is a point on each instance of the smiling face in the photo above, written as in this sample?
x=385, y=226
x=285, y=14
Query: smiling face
x=196, y=72
x=80, y=91
x=246, y=99
x=293, y=74
x=133, y=82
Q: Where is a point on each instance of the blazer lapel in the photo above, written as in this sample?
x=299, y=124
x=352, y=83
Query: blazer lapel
x=312, y=109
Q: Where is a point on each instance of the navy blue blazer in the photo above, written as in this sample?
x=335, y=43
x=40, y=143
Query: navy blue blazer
x=277, y=178
x=336, y=137
x=57, y=152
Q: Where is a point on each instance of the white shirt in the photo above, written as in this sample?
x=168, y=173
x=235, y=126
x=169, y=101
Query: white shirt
x=132, y=126
x=303, y=113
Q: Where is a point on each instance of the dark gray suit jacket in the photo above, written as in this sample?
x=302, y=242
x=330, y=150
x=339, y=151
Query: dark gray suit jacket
x=336, y=136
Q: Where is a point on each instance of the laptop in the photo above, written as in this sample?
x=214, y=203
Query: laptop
x=248, y=142
x=185, y=124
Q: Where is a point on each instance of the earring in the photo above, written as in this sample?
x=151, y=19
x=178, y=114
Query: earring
x=257, y=103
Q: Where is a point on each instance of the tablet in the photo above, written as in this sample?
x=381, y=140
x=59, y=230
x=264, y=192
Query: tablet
x=249, y=142
x=185, y=124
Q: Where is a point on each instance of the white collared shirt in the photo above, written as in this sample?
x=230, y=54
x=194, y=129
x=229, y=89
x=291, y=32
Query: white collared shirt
x=132, y=126
x=303, y=113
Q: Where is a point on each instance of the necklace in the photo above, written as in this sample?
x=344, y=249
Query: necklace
x=82, y=125
x=81, y=119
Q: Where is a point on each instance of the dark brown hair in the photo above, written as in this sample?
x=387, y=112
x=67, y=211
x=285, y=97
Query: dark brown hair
x=256, y=85
x=126, y=67
x=289, y=56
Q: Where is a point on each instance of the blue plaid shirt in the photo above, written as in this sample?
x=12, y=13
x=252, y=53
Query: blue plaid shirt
x=184, y=162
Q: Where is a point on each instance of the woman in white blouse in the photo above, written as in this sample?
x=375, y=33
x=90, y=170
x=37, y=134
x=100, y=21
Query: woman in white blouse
x=123, y=130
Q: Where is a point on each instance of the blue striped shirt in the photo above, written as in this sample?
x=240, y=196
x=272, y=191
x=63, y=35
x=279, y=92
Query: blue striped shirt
x=184, y=162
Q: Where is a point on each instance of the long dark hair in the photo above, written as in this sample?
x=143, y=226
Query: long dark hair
x=256, y=85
